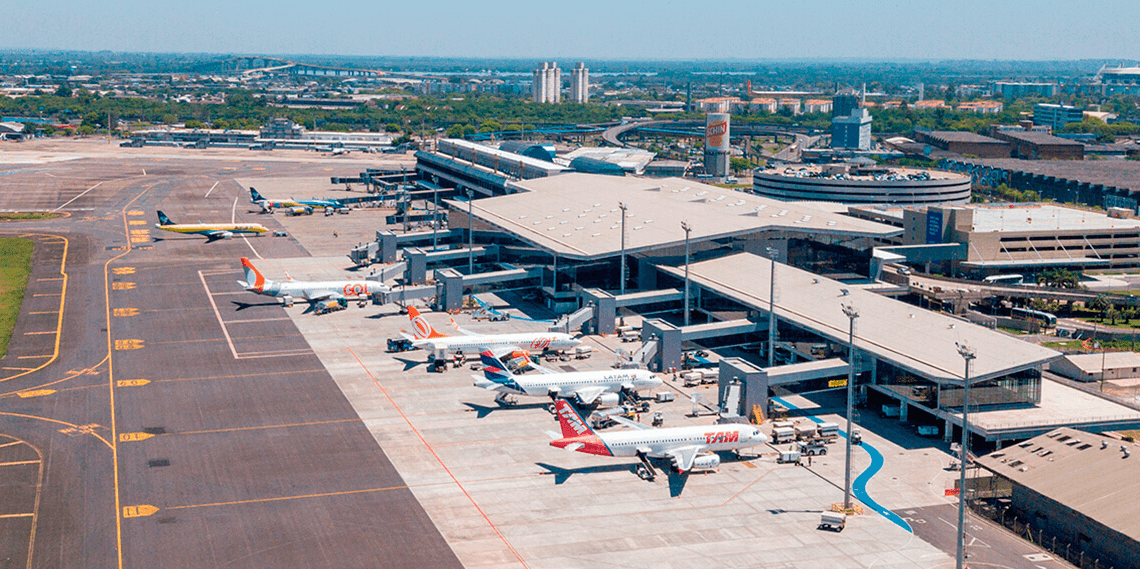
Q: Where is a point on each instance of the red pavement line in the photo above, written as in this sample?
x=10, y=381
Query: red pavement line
x=432, y=451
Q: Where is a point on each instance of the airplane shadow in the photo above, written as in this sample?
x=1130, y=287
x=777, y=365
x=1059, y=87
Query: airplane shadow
x=561, y=475
x=409, y=364
x=676, y=481
x=484, y=410
x=244, y=305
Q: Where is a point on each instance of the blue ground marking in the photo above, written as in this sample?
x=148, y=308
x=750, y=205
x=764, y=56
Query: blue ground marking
x=859, y=486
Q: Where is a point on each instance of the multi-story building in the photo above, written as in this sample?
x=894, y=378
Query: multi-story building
x=1056, y=116
x=1019, y=90
x=982, y=107
x=547, y=86
x=852, y=131
x=580, y=83
x=842, y=105
x=763, y=104
x=817, y=106
x=791, y=104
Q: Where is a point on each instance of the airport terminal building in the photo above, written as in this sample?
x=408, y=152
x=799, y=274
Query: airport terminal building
x=852, y=184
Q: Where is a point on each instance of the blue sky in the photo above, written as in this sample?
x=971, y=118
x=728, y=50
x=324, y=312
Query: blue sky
x=591, y=29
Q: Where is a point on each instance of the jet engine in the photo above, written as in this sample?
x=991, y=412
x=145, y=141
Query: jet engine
x=608, y=400
x=706, y=462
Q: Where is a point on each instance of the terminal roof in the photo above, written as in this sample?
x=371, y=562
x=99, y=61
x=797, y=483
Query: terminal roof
x=906, y=336
x=1044, y=217
x=577, y=216
x=1082, y=471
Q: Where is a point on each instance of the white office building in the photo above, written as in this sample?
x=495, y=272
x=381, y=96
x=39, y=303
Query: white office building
x=580, y=84
x=547, y=86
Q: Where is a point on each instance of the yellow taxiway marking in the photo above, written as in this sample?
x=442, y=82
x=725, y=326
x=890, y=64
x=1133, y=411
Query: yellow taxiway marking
x=45, y=312
x=239, y=375
x=129, y=344
x=283, y=498
x=124, y=312
x=131, y=382
x=19, y=368
x=51, y=279
x=18, y=463
x=140, y=511
x=11, y=444
x=72, y=429
x=136, y=212
x=266, y=427
x=137, y=222
x=28, y=515
x=124, y=270
x=36, y=393
x=48, y=294
x=35, y=333
x=33, y=357
x=122, y=286
x=133, y=437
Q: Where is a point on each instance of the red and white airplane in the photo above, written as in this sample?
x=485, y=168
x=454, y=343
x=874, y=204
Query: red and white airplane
x=442, y=345
x=688, y=448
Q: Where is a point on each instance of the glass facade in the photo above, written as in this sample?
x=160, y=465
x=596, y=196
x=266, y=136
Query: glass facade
x=1020, y=388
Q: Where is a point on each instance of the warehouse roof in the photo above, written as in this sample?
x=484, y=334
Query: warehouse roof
x=577, y=215
x=1088, y=473
x=911, y=338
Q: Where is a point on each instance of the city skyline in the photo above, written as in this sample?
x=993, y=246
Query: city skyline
x=735, y=29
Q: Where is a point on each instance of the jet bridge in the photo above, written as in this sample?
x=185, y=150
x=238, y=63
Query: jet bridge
x=451, y=283
x=755, y=381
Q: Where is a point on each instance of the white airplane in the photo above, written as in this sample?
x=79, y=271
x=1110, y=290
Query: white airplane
x=315, y=292
x=687, y=448
x=442, y=345
x=585, y=387
x=297, y=207
x=212, y=231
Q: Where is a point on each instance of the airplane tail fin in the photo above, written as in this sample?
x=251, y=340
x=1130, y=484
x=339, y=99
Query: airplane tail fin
x=254, y=279
x=254, y=196
x=422, y=327
x=571, y=421
x=493, y=369
x=163, y=220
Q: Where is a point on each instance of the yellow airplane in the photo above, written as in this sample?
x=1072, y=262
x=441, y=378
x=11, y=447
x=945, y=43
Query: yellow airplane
x=212, y=231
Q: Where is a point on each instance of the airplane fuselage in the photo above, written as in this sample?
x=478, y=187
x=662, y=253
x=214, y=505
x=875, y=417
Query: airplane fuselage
x=530, y=341
x=209, y=229
x=571, y=382
x=303, y=289
x=710, y=438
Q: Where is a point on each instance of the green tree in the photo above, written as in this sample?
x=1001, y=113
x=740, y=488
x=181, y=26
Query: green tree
x=64, y=90
x=195, y=124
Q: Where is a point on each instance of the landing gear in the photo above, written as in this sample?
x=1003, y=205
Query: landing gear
x=645, y=470
x=505, y=399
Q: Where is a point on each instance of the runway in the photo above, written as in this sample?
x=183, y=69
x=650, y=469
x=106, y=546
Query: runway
x=178, y=424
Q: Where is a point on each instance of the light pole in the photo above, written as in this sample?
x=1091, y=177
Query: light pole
x=470, y=232
x=852, y=313
x=621, y=205
x=685, y=226
x=772, y=254
x=435, y=218
x=968, y=355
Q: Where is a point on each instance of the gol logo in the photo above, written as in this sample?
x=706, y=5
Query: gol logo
x=354, y=289
x=540, y=344
x=423, y=329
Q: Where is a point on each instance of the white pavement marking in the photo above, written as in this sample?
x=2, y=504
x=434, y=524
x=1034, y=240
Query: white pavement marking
x=257, y=320
x=211, y=189
x=233, y=219
x=225, y=332
x=77, y=197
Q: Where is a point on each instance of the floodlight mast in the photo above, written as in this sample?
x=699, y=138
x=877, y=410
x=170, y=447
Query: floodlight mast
x=968, y=355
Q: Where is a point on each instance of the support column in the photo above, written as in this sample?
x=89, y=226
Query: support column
x=903, y=407
x=417, y=265
x=387, y=241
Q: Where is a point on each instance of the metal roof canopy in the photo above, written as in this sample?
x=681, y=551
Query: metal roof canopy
x=576, y=216
x=1036, y=263
x=906, y=336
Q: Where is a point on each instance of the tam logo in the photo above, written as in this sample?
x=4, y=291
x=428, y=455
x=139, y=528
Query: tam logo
x=573, y=420
x=722, y=437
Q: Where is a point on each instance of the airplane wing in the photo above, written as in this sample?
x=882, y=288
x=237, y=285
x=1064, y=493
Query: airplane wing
x=543, y=369
x=587, y=395
x=683, y=457
x=455, y=325
x=323, y=295
x=631, y=424
x=215, y=235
